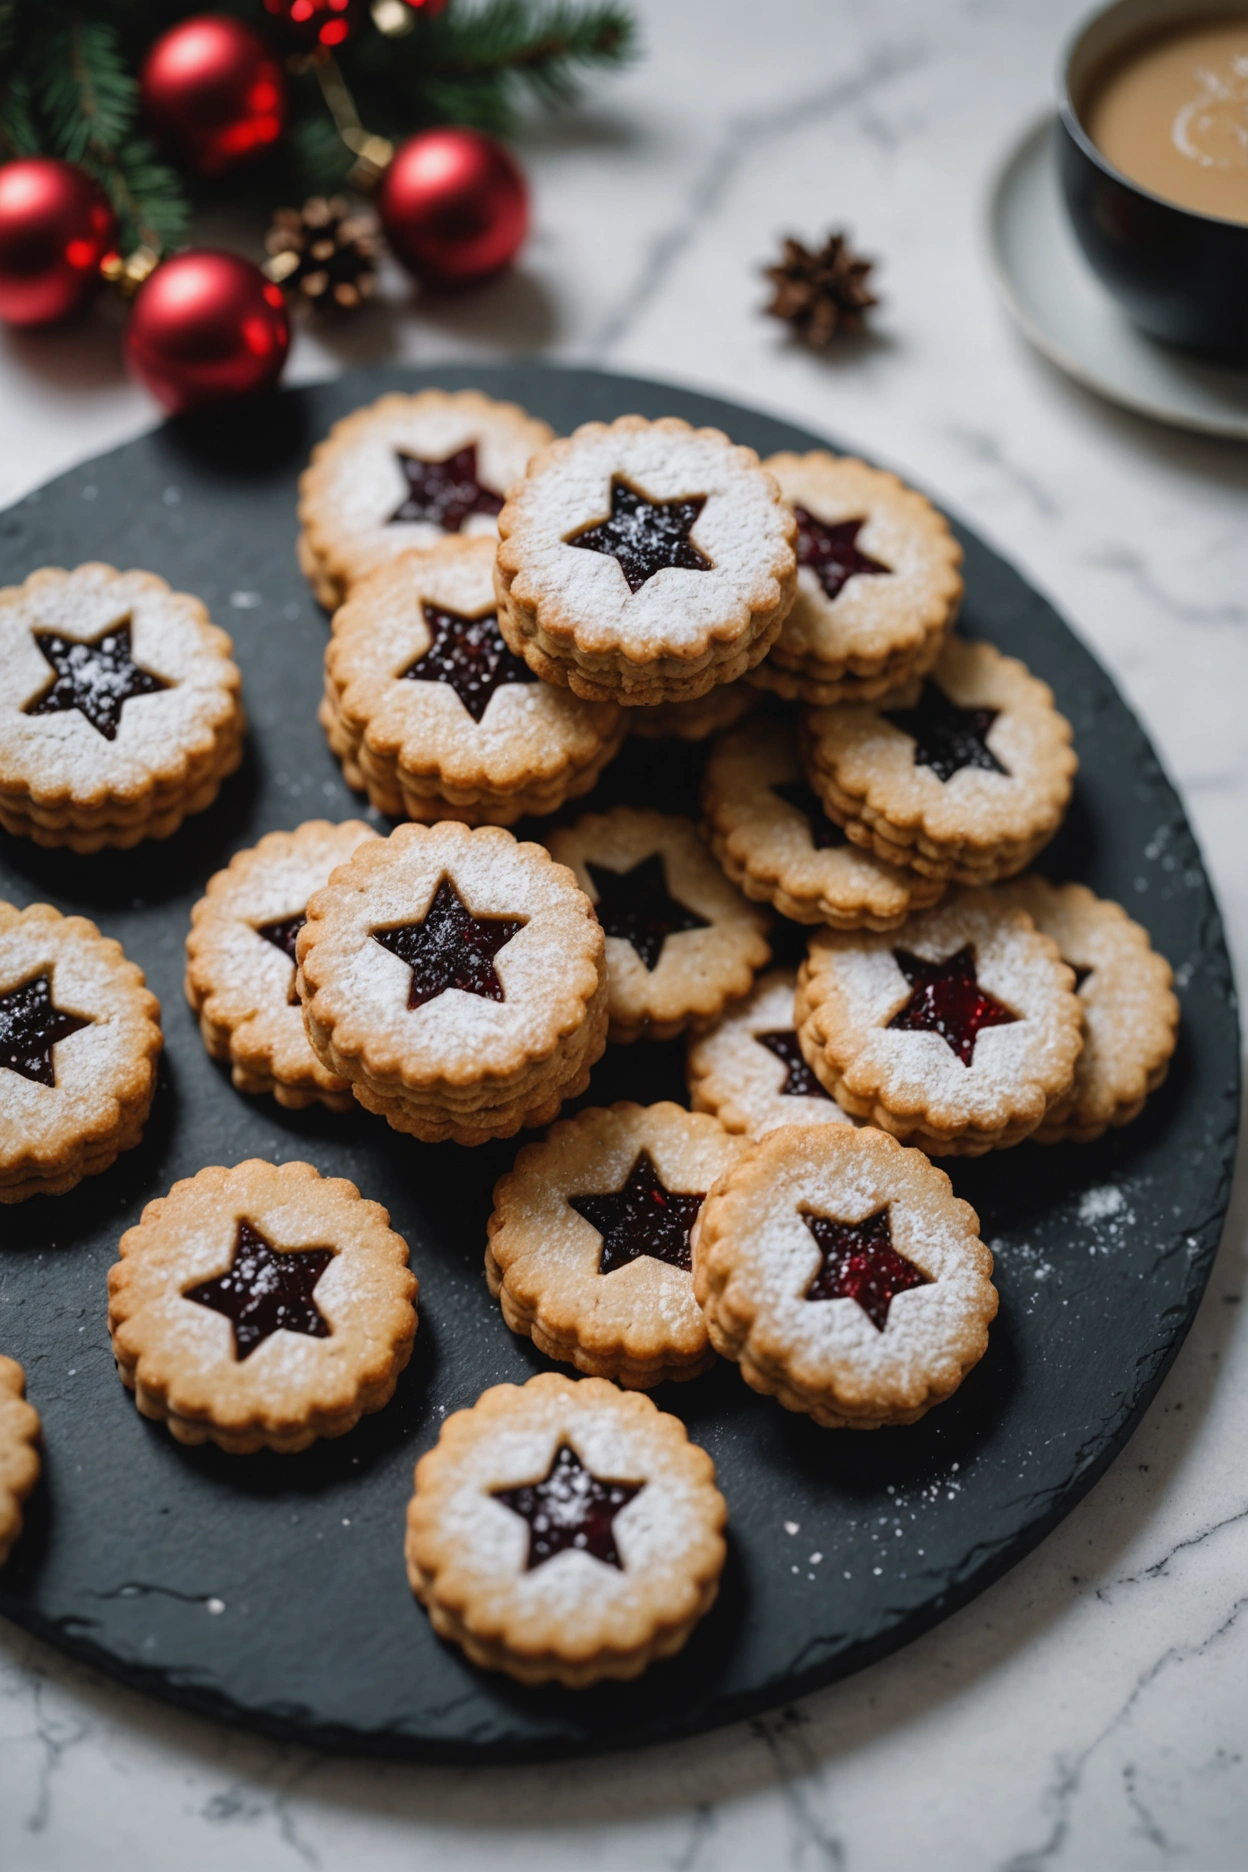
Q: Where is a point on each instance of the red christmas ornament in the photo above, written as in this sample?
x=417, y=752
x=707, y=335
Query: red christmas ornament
x=55, y=228
x=213, y=92
x=328, y=23
x=428, y=9
x=455, y=206
x=205, y=328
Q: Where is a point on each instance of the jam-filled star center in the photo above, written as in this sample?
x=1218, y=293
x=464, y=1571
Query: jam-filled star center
x=645, y=536
x=859, y=1262
x=450, y=947
x=266, y=1290
x=570, y=1510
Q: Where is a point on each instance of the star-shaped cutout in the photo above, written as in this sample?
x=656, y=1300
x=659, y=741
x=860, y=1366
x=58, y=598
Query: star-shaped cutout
x=96, y=678
x=830, y=549
x=947, y=738
x=444, y=492
x=570, y=1508
x=284, y=934
x=799, y=1081
x=860, y=1263
x=637, y=906
x=642, y=1218
x=825, y=834
x=450, y=948
x=266, y=1290
x=470, y=656
x=946, y=998
x=30, y=1026
x=645, y=536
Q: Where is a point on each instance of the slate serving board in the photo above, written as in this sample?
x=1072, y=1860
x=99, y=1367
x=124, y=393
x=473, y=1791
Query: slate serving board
x=270, y=1591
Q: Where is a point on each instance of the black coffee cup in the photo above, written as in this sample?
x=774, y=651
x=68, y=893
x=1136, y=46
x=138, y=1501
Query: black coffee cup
x=1182, y=276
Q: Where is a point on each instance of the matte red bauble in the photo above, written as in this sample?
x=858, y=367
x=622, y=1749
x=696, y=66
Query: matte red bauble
x=317, y=22
x=213, y=92
x=455, y=206
x=205, y=328
x=55, y=228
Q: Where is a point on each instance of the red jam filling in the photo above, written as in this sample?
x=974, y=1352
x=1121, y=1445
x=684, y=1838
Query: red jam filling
x=642, y=1218
x=450, y=948
x=860, y=1263
x=266, y=1290
x=645, y=536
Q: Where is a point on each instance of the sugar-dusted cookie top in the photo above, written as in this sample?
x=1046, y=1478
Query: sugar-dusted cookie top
x=877, y=567
x=240, y=954
x=79, y=1039
x=647, y=541
x=421, y=672
x=1130, y=1012
x=261, y=1306
x=844, y=1275
x=960, y=1028
x=447, y=957
x=407, y=470
x=114, y=690
x=565, y=1530
x=749, y=1069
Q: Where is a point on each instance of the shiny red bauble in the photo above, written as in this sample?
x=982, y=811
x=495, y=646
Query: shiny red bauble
x=55, y=228
x=455, y=206
x=213, y=92
x=328, y=23
x=207, y=327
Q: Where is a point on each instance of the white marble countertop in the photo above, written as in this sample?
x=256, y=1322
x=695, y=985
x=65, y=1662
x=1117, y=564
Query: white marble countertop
x=1090, y=1710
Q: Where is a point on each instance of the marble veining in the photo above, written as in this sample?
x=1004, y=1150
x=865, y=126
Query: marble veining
x=1088, y=1710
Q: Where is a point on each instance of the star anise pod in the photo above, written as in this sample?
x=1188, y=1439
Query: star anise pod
x=326, y=252
x=821, y=294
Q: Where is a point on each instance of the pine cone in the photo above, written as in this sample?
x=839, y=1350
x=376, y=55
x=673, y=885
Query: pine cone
x=821, y=294
x=325, y=252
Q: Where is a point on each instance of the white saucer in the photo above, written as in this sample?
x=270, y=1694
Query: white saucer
x=1067, y=314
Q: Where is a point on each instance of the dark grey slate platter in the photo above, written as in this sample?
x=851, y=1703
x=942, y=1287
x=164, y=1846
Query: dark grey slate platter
x=271, y=1591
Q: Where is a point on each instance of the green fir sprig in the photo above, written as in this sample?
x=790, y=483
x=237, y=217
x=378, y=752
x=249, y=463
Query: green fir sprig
x=69, y=88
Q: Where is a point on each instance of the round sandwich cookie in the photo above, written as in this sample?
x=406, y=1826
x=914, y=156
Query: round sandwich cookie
x=19, y=1453
x=457, y=979
x=843, y=1275
x=644, y=562
x=120, y=708
x=79, y=1040
x=565, y=1531
x=878, y=583
x=403, y=472
x=682, y=941
x=1130, y=1013
x=749, y=1071
x=261, y=1307
x=959, y=1032
x=719, y=709
x=240, y=962
x=435, y=717
x=769, y=831
x=965, y=775
x=589, y=1241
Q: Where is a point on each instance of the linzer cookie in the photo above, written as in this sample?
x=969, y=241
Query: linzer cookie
x=589, y=1241
x=430, y=711
x=404, y=472
x=240, y=962
x=772, y=836
x=719, y=709
x=878, y=583
x=681, y=940
x=261, y=1307
x=749, y=1070
x=564, y=1531
x=965, y=775
x=1130, y=1013
x=79, y=1040
x=119, y=708
x=457, y=979
x=19, y=1453
x=959, y=1032
x=844, y=1276
x=644, y=562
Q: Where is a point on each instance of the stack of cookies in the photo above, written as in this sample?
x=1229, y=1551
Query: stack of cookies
x=120, y=709
x=456, y=980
